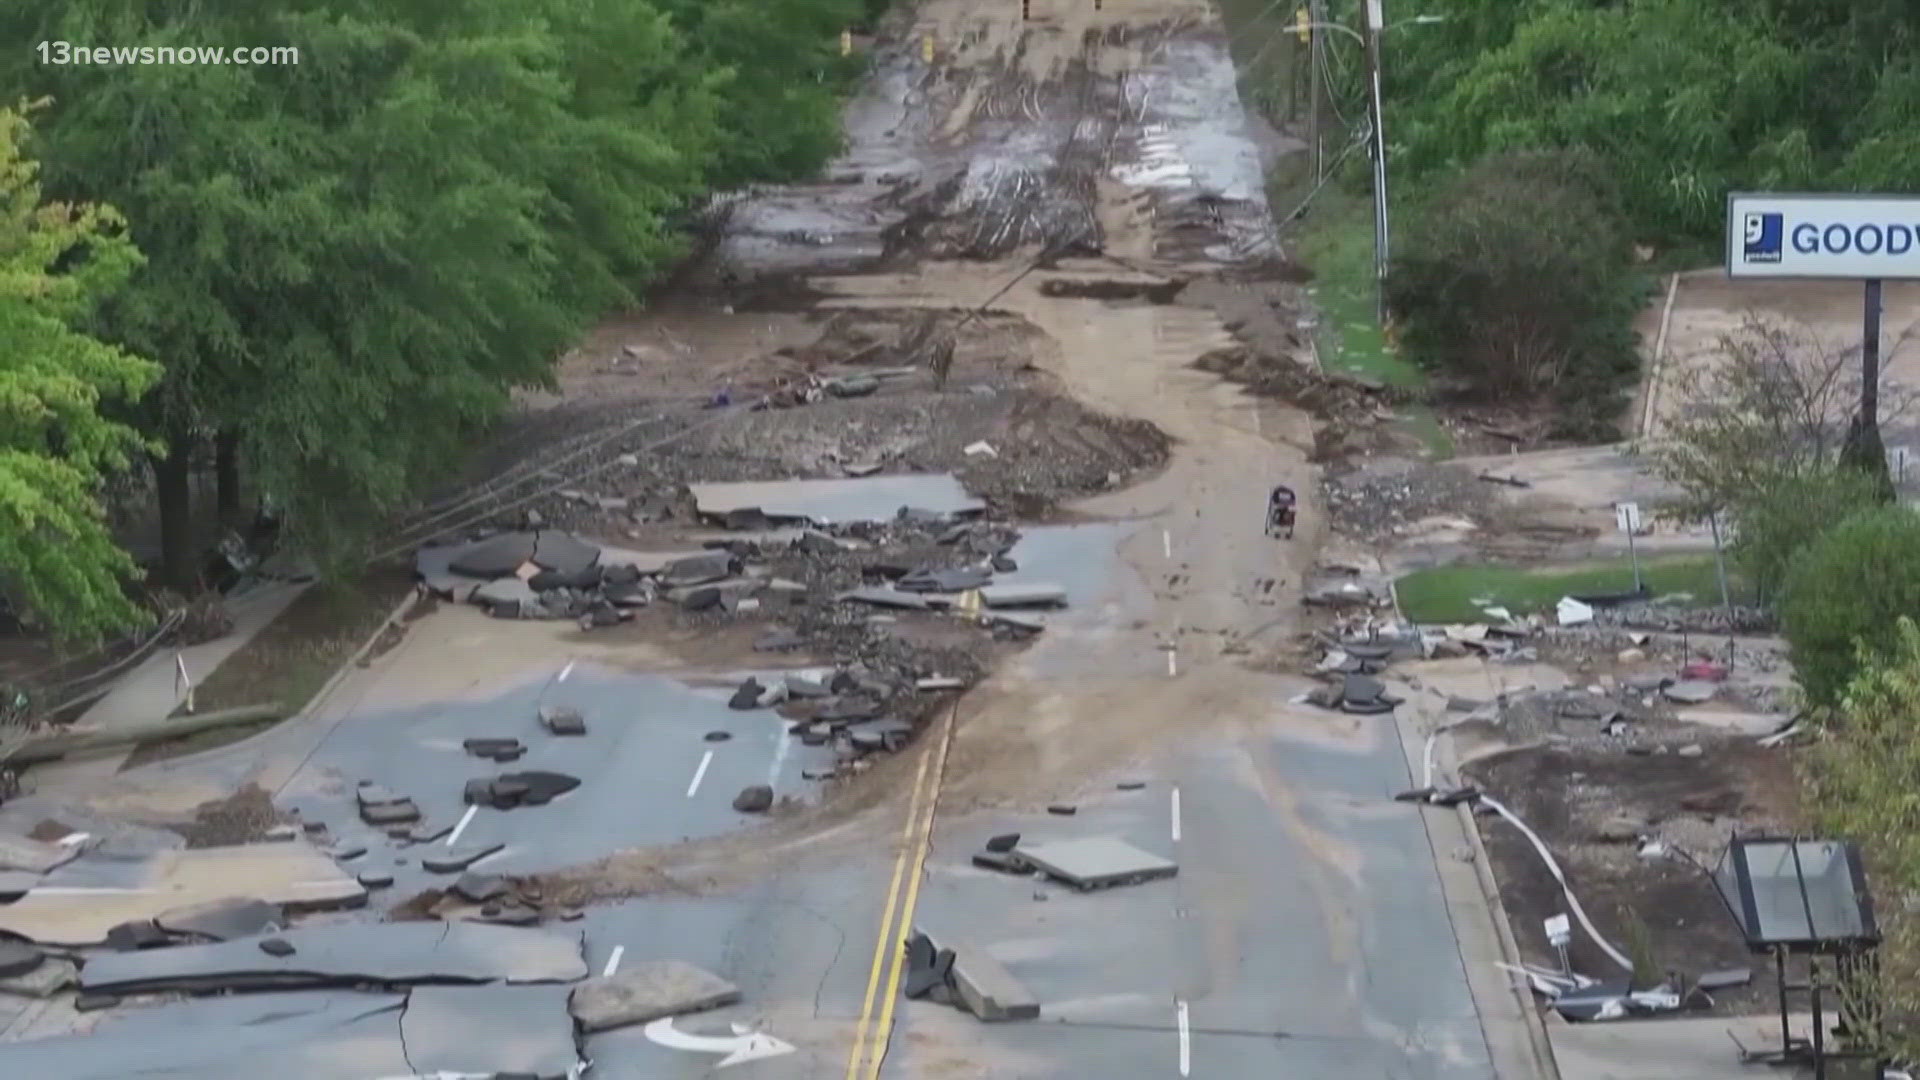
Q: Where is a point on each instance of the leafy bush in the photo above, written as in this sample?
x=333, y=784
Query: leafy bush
x=1789, y=515
x=1517, y=280
x=1861, y=780
x=1844, y=595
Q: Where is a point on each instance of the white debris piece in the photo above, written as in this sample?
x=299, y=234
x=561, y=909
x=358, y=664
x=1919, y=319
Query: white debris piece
x=1574, y=613
x=980, y=449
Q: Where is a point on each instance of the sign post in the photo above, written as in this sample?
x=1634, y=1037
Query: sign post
x=1559, y=935
x=1897, y=458
x=1627, y=517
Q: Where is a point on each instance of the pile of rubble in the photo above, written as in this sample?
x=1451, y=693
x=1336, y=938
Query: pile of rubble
x=855, y=710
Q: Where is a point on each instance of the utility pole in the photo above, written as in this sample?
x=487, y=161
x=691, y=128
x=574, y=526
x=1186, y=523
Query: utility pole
x=1376, y=20
x=1315, y=16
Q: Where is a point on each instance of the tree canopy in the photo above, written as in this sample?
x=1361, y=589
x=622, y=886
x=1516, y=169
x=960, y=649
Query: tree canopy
x=1684, y=99
x=58, y=562
x=353, y=260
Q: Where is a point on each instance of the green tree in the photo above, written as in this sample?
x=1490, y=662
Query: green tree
x=1775, y=522
x=1864, y=782
x=1844, y=595
x=1516, y=279
x=58, y=560
x=354, y=259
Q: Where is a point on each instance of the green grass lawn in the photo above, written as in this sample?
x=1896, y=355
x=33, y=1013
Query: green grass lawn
x=1446, y=594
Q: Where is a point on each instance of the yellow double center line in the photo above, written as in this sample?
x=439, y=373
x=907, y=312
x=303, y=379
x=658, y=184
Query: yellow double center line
x=889, y=946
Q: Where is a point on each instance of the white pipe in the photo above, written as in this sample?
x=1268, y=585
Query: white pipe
x=1554, y=867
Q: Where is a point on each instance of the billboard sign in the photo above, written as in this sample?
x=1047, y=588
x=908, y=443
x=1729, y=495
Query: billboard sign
x=1823, y=236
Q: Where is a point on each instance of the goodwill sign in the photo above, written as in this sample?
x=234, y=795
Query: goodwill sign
x=1823, y=236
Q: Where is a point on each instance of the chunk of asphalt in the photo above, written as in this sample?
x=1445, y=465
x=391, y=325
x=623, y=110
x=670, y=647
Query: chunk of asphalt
x=45, y=979
x=1690, y=692
x=372, y=794
x=495, y=557
x=563, y=720
x=136, y=935
x=542, y=787
x=747, y=696
x=17, y=958
x=375, y=879
x=479, y=888
x=223, y=920
x=486, y=748
x=94, y=1002
x=799, y=686
x=505, y=794
x=754, y=799
x=1063, y=809
x=983, y=986
x=920, y=952
x=478, y=792
x=644, y=992
x=1362, y=688
x=1004, y=842
x=546, y=580
x=1366, y=708
x=699, y=569
x=718, y=736
x=563, y=552
x=403, y=812
x=457, y=858
x=274, y=946
x=1005, y=862
x=1131, y=785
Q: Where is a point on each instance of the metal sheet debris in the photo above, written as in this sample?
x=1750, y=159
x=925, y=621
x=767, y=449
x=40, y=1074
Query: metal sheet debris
x=380, y=954
x=293, y=874
x=873, y=498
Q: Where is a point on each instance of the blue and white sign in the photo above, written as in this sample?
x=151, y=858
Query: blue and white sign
x=1823, y=236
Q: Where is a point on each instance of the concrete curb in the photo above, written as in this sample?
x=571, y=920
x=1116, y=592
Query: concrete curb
x=1548, y=1068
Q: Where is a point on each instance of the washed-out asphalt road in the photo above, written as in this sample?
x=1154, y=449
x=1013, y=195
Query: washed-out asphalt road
x=1307, y=934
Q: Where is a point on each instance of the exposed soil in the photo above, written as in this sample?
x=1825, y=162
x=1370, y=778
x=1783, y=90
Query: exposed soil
x=241, y=818
x=1579, y=800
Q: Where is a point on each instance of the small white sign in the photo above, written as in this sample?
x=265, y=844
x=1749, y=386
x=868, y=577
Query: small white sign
x=1627, y=517
x=1559, y=930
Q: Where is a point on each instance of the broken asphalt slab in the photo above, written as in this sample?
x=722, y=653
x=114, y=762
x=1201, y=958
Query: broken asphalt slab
x=1099, y=862
x=647, y=991
x=489, y=1031
x=222, y=920
x=981, y=984
x=380, y=954
x=873, y=498
x=292, y=874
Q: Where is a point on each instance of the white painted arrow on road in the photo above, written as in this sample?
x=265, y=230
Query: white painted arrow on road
x=744, y=1045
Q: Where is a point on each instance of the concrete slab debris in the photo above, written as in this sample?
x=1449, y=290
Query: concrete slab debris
x=975, y=980
x=1690, y=692
x=292, y=874
x=376, y=879
x=1096, y=863
x=1005, y=862
x=479, y=888
x=489, y=1031
x=506, y=598
x=457, y=858
x=873, y=498
x=1003, y=842
x=138, y=934
x=647, y=991
x=499, y=750
x=223, y=919
x=1021, y=596
x=887, y=598
x=700, y=569
x=380, y=954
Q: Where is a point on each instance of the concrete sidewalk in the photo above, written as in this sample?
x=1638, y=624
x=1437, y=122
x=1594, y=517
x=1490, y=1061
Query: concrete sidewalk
x=152, y=691
x=1696, y=1049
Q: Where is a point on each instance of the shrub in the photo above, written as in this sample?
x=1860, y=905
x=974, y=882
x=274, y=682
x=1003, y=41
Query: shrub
x=1788, y=515
x=1517, y=280
x=1845, y=594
